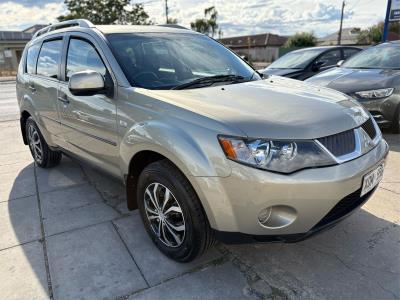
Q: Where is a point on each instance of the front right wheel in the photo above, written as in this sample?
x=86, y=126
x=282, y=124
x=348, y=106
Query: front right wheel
x=396, y=121
x=172, y=213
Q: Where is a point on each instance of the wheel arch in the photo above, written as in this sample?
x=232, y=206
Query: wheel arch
x=139, y=162
x=24, y=117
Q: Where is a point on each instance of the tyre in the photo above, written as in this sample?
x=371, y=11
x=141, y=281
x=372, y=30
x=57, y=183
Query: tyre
x=396, y=121
x=171, y=212
x=44, y=157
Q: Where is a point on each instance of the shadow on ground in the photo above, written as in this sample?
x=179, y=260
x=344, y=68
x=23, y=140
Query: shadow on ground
x=358, y=259
x=80, y=241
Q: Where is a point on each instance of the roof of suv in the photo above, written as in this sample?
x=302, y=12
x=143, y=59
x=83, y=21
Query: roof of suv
x=106, y=29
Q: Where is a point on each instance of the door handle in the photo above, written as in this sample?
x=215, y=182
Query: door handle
x=63, y=100
x=32, y=87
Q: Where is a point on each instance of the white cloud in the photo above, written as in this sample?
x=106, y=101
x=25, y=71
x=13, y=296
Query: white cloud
x=277, y=16
x=236, y=17
x=15, y=16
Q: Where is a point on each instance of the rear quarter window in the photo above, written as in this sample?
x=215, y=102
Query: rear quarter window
x=31, y=59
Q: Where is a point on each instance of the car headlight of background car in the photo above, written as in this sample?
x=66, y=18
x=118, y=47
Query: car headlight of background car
x=375, y=94
x=278, y=156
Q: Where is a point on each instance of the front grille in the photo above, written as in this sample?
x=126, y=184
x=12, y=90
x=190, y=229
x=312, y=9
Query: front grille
x=343, y=207
x=369, y=128
x=340, y=144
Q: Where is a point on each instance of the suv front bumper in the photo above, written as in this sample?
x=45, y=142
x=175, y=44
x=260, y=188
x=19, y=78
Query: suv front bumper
x=233, y=203
x=383, y=110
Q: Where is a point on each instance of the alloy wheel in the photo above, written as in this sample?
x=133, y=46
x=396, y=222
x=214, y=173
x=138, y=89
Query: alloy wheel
x=164, y=215
x=35, y=144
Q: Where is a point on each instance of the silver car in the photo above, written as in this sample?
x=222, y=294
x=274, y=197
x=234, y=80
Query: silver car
x=206, y=148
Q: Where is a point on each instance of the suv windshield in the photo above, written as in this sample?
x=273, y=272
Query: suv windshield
x=295, y=60
x=171, y=60
x=378, y=57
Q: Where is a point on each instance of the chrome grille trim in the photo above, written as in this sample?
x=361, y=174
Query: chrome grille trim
x=369, y=128
x=363, y=144
x=341, y=143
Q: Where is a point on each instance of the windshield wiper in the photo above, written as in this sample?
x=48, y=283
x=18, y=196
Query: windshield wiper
x=210, y=80
x=361, y=68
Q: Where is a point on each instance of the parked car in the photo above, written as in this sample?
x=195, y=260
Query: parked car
x=373, y=78
x=304, y=63
x=205, y=147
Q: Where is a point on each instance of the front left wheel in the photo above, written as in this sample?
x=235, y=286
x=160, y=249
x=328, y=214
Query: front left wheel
x=41, y=152
x=171, y=212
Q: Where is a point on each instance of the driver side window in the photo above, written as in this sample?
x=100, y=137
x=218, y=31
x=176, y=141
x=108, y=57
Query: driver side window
x=83, y=56
x=329, y=58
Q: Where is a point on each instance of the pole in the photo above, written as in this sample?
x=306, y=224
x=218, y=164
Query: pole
x=339, y=39
x=248, y=50
x=166, y=11
x=386, y=27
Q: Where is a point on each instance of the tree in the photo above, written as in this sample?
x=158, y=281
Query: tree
x=172, y=21
x=373, y=35
x=106, y=12
x=301, y=39
x=207, y=25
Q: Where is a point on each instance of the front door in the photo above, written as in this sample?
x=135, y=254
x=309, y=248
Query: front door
x=89, y=122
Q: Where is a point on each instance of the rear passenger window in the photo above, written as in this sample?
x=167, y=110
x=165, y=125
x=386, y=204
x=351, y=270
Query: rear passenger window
x=31, y=59
x=49, y=58
x=83, y=56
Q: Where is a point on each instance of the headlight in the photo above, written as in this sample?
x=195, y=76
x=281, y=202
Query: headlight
x=375, y=94
x=277, y=156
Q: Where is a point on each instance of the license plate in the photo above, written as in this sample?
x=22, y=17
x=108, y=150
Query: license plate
x=372, y=179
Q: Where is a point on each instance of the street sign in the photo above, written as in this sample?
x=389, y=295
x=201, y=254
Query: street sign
x=395, y=11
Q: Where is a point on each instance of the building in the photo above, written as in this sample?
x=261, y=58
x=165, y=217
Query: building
x=349, y=37
x=12, y=44
x=257, y=48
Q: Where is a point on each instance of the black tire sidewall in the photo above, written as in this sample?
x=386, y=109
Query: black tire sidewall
x=396, y=121
x=31, y=122
x=193, y=235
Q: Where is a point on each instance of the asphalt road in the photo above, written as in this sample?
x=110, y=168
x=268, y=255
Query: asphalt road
x=8, y=103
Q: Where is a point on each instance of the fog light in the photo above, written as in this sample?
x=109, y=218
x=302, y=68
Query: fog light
x=277, y=216
x=264, y=215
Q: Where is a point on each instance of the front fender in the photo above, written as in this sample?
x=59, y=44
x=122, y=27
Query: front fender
x=200, y=156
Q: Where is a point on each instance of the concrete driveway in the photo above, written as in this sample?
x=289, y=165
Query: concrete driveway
x=65, y=233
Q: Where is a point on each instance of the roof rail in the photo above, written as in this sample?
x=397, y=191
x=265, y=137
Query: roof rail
x=173, y=26
x=70, y=23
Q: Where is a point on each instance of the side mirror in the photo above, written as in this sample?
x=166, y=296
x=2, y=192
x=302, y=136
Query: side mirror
x=317, y=65
x=339, y=63
x=86, y=83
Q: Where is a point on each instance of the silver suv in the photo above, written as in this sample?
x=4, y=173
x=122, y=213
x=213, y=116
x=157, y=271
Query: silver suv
x=207, y=148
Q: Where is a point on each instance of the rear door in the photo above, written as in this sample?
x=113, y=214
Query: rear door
x=89, y=122
x=24, y=86
x=44, y=84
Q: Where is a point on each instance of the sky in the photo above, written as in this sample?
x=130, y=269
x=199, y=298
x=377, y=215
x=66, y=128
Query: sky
x=235, y=17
